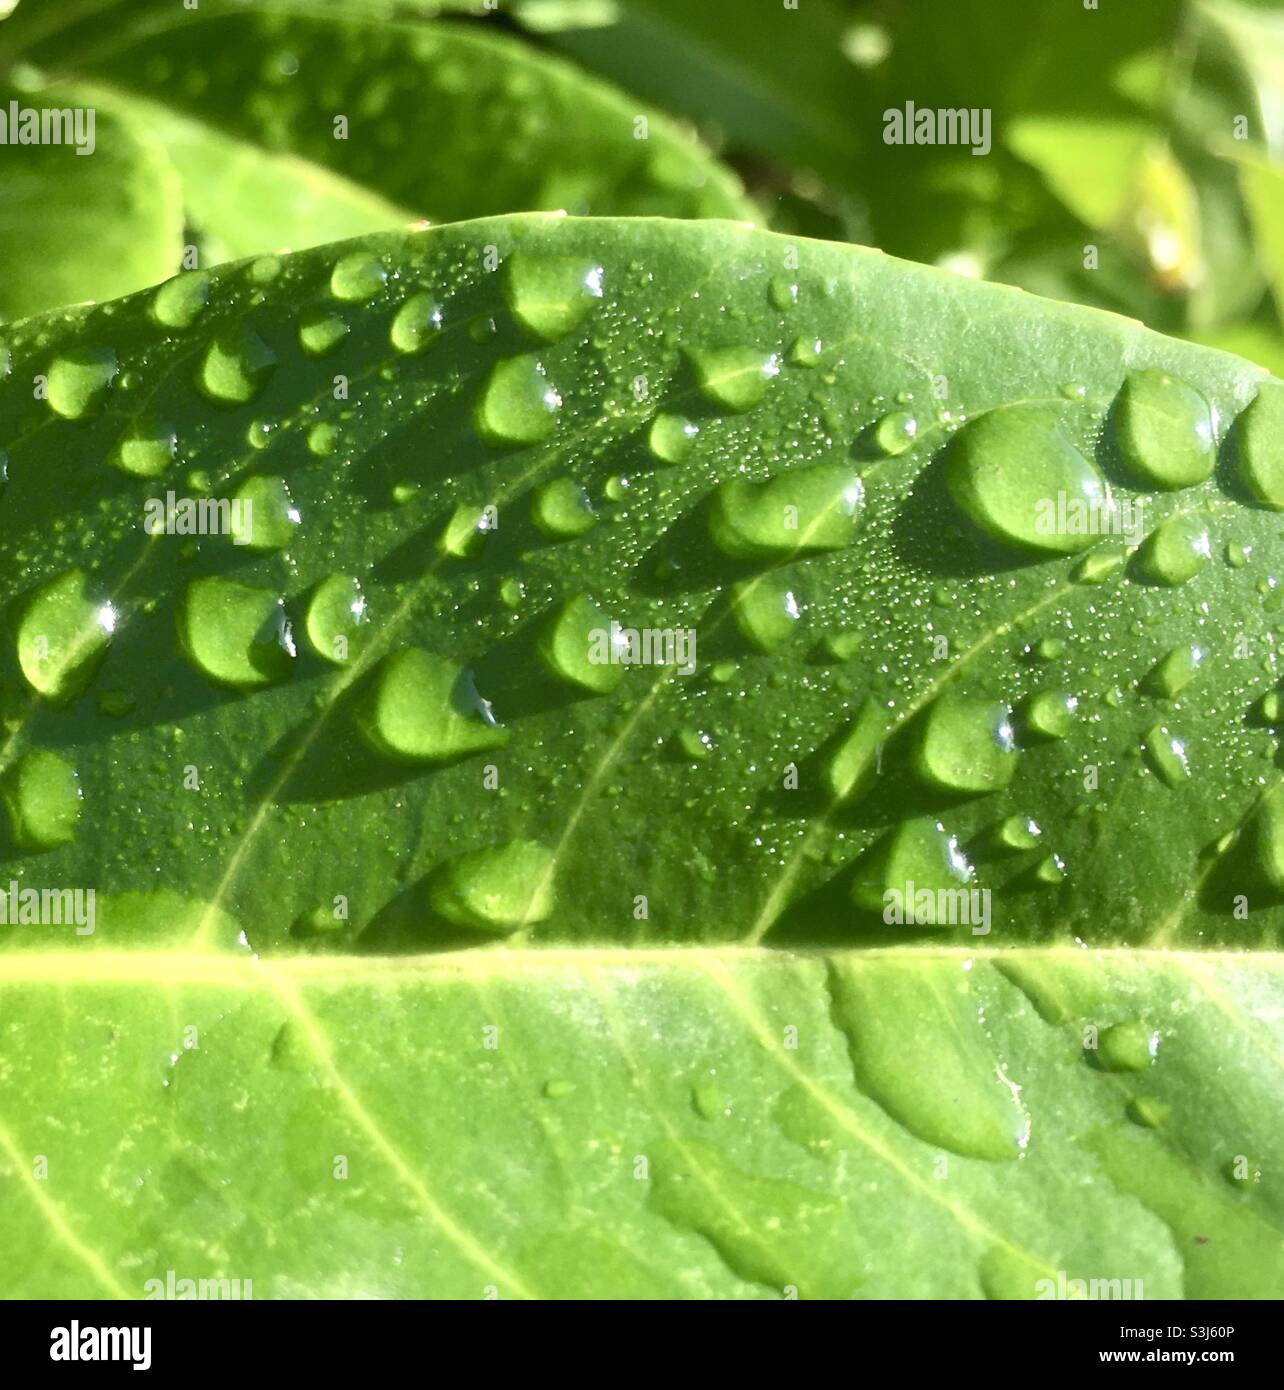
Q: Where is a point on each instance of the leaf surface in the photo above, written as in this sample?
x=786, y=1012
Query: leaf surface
x=718, y=1069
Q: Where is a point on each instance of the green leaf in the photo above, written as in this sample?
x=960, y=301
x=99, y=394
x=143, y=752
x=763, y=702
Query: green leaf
x=290, y=129
x=353, y=788
x=77, y=226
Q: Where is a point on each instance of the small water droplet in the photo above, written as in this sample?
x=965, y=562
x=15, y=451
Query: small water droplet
x=1173, y=672
x=179, y=302
x=671, y=437
x=357, y=277
x=518, y=404
x=734, y=378
x=1130, y=1046
x=236, y=366
x=765, y=610
x=417, y=324
x=267, y=517
x=895, y=432
x=1175, y=551
x=336, y=619
x=320, y=332
x=1167, y=755
x=78, y=382
x=561, y=509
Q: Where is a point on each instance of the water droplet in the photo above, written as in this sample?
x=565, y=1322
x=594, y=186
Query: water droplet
x=1099, y=564
x=1174, y=672
x=42, y=795
x=734, y=378
x=234, y=633
x=577, y=644
x=417, y=324
x=1237, y=555
x=805, y=351
x=179, y=302
x=267, y=517
x=236, y=366
x=1008, y=471
x=782, y=292
x=79, y=382
x=558, y=1088
x=966, y=745
x=797, y=513
x=561, y=509
x=952, y=1097
x=696, y=744
x=709, y=1100
x=421, y=708
x=1165, y=430
x=467, y=531
x=1019, y=833
x=1050, y=870
x=497, y=889
x=1175, y=551
x=918, y=853
x=550, y=296
x=895, y=433
x=357, y=277
x=1126, y=1047
x=518, y=405
x=336, y=618
x=323, y=439
x=1049, y=713
x=62, y=636
x=1167, y=756
x=671, y=437
x=320, y=332
x=853, y=761
x=765, y=611
x=1260, y=446
x=1149, y=1111
x=146, y=451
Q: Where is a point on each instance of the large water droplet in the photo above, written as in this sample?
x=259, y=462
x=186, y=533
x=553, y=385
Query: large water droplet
x=179, y=302
x=236, y=366
x=1127, y=1046
x=1175, y=551
x=734, y=378
x=966, y=745
x=498, y=889
x=561, y=509
x=1260, y=446
x=417, y=324
x=550, y=296
x=267, y=517
x=671, y=437
x=853, y=761
x=62, y=636
x=320, y=332
x=1015, y=474
x=234, y=633
x=147, y=450
x=919, y=854
x=1165, y=430
x=577, y=645
x=765, y=610
x=798, y=513
x=78, y=382
x=42, y=795
x=337, y=618
x=1174, y=672
x=518, y=404
x=357, y=277
x=1167, y=755
x=421, y=708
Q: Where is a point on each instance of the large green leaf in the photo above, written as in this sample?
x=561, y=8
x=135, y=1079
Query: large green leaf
x=646, y=889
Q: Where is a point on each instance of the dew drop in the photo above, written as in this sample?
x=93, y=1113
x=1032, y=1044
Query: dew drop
x=1173, y=672
x=765, y=611
x=78, y=382
x=234, y=633
x=561, y=510
x=1175, y=551
x=1167, y=756
x=550, y=296
x=734, y=378
x=465, y=534
x=918, y=853
x=357, y=277
x=416, y=325
x=179, y=302
x=966, y=745
x=320, y=332
x=577, y=644
x=421, y=708
x=518, y=404
x=805, y=351
x=1165, y=430
x=1099, y=564
x=1127, y=1046
x=62, y=636
x=671, y=437
x=1019, y=833
x=146, y=451
x=895, y=432
x=797, y=513
x=266, y=517
x=336, y=618
x=236, y=366
x=1049, y=713
x=852, y=763
x=1007, y=470
x=782, y=292
x=42, y=795
x=1260, y=446
x=497, y=889
x=1149, y=1111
